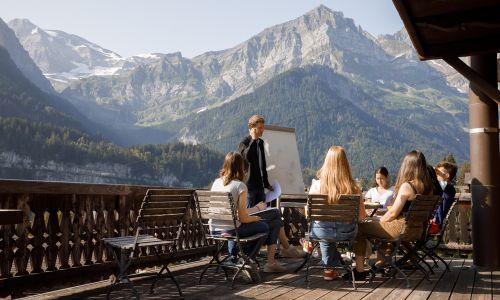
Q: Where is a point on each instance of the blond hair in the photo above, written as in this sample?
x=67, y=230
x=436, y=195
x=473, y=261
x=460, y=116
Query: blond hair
x=254, y=120
x=414, y=170
x=336, y=176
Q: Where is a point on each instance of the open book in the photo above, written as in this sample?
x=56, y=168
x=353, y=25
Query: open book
x=268, y=213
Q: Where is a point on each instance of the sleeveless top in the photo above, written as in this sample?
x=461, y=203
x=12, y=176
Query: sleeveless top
x=407, y=205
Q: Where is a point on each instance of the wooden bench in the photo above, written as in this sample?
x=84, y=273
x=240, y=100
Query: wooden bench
x=160, y=208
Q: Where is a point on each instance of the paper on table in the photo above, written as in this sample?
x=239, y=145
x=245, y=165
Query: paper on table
x=275, y=193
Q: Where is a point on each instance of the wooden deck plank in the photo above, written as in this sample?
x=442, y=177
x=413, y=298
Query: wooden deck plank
x=384, y=289
x=401, y=291
x=281, y=287
x=317, y=287
x=363, y=288
x=445, y=286
x=482, y=286
x=268, y=286
x=424, y=289
x=300, y=287
x=495, y=284
x=465, y=282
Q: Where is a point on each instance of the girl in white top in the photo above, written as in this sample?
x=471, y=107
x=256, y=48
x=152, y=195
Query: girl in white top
x=231, y=180
x=382, y=193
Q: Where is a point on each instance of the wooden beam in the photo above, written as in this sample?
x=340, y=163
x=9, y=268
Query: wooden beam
x=404, y=13
x=476, y=79
x=427, y=8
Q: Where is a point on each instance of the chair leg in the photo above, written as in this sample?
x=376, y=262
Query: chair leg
x=175, y=281
x=215, y=257
x=164, y=267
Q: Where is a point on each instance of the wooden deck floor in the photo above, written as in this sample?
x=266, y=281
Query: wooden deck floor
x=462, y=282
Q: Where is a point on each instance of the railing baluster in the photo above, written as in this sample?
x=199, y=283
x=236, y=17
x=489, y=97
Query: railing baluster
x=77, y=205
x=64, y=248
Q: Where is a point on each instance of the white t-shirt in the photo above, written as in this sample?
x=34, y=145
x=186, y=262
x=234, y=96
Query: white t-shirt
x=384, y=198
x=235, y=187
x=315, y=186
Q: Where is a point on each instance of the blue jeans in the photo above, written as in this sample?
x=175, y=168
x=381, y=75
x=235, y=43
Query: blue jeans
x=331, y=232
x=275, y=223
x=246, y=230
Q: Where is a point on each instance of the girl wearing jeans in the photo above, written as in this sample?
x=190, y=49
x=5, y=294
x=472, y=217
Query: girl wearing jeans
x=335, y=178
x=231, y=180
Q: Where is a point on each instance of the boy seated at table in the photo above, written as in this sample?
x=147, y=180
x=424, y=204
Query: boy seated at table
x=445, y=172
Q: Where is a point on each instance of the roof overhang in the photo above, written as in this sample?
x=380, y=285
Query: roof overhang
x=440, y=28
x=449, y=29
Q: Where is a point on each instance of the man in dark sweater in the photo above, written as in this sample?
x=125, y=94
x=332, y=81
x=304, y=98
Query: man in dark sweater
x=252, y=149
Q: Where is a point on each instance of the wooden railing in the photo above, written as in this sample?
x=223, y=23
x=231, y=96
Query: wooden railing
x=60, y=237
x=458, y=234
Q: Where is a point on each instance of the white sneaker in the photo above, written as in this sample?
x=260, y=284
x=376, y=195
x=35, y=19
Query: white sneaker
x=274, y=267
x=292, y=252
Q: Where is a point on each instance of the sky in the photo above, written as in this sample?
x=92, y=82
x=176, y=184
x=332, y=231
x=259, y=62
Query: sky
x=192, y=27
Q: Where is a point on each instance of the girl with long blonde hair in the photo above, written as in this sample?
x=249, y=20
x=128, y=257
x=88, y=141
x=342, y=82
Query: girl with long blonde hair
x=334, y=179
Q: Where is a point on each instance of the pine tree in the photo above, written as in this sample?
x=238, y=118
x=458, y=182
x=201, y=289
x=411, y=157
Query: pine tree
x=450, y=158
x=465, y=168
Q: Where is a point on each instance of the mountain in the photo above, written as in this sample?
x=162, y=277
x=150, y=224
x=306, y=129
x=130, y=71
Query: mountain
x=376, y=125
x=156, y=92
x=22, y=59
x=65, y=57
x=45, y=138
x=399, y=45
x=20, y=98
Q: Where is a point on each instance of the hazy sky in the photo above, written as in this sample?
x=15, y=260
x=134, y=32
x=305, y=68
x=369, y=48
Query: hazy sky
x=192, y=27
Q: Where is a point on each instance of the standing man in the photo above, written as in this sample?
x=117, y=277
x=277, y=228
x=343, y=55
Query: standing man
x=252, y=149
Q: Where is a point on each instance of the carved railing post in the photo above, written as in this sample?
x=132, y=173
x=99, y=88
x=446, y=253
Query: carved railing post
x=64, y=248
x=22, y=253
x=53, y=231
x=76, y=224
x=38, y=231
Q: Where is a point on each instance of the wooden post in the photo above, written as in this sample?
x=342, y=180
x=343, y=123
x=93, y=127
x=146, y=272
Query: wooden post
x=485, y=166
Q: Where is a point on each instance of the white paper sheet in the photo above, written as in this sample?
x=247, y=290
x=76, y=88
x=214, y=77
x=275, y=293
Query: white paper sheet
x=275, y=193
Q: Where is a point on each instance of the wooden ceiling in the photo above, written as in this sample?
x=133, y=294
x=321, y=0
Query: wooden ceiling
x=443, y=28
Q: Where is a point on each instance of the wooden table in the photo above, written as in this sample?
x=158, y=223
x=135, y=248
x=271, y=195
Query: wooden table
x=11, y=216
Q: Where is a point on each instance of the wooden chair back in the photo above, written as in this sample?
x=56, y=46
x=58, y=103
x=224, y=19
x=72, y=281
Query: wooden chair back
x=420, y=212
x=215, y=206
x=345, y=210
x=163, y=208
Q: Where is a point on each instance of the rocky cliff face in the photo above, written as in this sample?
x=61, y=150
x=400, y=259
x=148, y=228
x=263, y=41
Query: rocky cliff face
x=22, y=59
x=399, y=45
x=175, y=86
x=65, y=57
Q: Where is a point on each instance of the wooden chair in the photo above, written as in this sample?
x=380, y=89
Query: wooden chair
x=161, y=208
x=421, y=210
x=345, y=210
x=432, y=241
x=220, y=206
